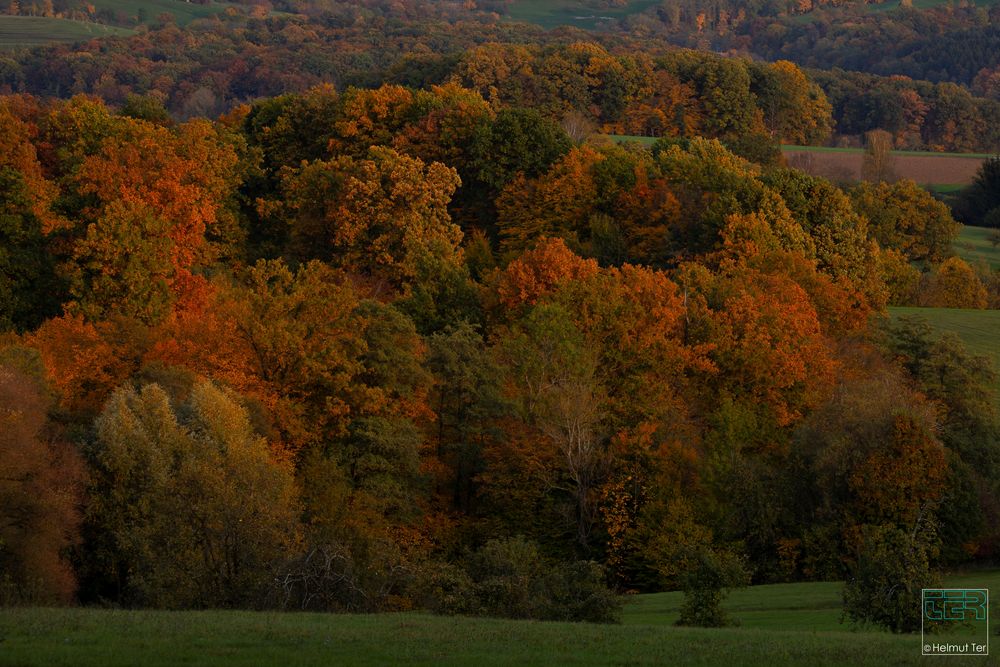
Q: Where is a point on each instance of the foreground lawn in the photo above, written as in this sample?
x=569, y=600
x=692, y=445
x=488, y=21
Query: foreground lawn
x=81, y=637
x=782, y=625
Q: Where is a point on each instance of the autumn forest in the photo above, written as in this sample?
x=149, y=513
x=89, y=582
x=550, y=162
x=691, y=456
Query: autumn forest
x=362, y=307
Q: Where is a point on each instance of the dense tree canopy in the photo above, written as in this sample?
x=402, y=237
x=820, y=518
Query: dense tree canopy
x=371, y=346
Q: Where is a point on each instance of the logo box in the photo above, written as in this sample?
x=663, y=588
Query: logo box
x=955, y=621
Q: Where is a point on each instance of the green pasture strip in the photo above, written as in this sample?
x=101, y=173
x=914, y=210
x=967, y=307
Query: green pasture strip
x=782, y=625
x=553, y=13
x=183, y=12
x=978, y=329
x=27, y=31
x=974, y=246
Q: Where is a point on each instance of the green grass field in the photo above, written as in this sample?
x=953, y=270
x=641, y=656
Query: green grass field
x=978, y=329
x=781, y=625
x=552, y=13
x=920, y=4
x=27, y=31
x=183, y=12
x=973, y=245
x=947, y=189
x=623, y=138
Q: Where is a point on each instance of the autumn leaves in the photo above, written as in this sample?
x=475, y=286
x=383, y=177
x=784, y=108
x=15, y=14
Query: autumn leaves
x=382, y=327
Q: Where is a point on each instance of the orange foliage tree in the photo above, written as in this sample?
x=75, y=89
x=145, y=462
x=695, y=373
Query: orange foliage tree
x=539, y=272
x=375, y=216
x=559, y=203
x=770, y=345
x=84, y=362
x=290, y=340
x=40, y=494
x=148, y=197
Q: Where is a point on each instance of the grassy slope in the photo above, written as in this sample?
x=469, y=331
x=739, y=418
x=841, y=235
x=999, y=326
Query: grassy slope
x=978, y=329
x=183, y=12
x=553, y=13
x=920, y=4
x=782, y=625
x=809, y=607
x=26, y=31
x=813, y=607
x=974, y=247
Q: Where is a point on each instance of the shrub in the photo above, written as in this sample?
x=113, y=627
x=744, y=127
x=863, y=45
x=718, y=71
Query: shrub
x=508, y=578
x=506, y=574
x=444, y=588
x=883, y=588
x=705, y=582
x=335, y=577
x=577, y=592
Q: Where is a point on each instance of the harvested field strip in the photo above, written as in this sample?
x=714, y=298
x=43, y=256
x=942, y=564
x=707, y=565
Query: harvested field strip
x=924, y=168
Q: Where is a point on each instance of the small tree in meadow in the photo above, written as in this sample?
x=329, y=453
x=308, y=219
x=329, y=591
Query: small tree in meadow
x=884, y=587
x=877, y=162
x=706, y=582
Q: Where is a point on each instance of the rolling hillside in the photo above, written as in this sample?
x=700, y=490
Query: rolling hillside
x=28, y=31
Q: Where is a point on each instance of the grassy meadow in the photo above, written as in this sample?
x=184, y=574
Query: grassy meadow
x=28, y=31
x=553, y=13
x=183, y=12
x=973, y=245
x=978, y=329
x=780, y=625
x=919, y=4
x=623, y=138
